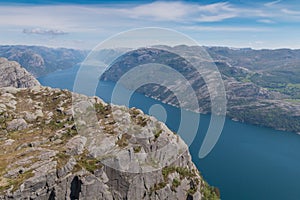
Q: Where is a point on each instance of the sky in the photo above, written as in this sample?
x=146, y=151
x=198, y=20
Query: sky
x=83, y=24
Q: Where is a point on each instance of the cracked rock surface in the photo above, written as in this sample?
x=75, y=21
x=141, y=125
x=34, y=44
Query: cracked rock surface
x=50, y=149
x=13, y=75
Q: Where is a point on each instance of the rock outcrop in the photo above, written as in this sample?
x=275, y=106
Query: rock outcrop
x=13, y=75
x=49, y=151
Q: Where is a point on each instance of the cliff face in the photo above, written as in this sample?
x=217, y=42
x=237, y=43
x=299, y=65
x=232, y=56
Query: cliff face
x=12, y=74
x=128, y=156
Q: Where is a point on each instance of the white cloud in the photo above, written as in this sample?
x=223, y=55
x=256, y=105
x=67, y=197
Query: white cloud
x=290, y=12
x=92, y=23
x=82, y=18
x=40, y=31
x=216, y=7
x=182, y=12
x=266, y=21
x=272, y=3
x=226, y=28
x=216, y=18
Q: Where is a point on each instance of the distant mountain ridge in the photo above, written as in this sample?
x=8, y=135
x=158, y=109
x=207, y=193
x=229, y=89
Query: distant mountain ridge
x=40, y=60
x=261, y=97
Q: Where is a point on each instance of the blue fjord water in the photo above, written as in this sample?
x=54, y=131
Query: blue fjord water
x=247, y=163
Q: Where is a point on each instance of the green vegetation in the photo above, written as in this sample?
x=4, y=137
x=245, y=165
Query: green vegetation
x=157, y=133
x=137, y=117
x=123, y=142
x=101, y=110
x=184, y=172
x=157, y=186
x=85, y=161
x=17, y=182
x=142, y=121
x=275, y=117
x=134, y=112
x=90, y=164
x=209, y=192
x=175, y=183
x=62, y=159
x=168, y=170
x=137, y=149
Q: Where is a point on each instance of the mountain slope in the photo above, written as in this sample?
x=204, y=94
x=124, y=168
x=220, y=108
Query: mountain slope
x=248, y=101
x=12, y=74
x=40, y=61
x=43, y=156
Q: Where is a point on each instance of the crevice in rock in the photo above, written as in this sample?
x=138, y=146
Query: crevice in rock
x=75, y=188
x=52, y=195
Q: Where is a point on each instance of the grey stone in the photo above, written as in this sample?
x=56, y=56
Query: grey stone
x=76, y=145
x=17, y=125
x=13, y=75
x=67, y=168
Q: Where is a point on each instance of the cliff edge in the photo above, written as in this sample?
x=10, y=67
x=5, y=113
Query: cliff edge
x=128, y=156
x=13, y=75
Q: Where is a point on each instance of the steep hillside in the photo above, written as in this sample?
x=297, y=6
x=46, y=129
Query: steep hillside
x=276, y=70
x=12, y=74
x=131, y=155
x=40, y=61
x=248, y=101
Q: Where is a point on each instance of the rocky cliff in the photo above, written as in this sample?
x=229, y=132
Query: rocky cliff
x=46, y=153
x=12, y=74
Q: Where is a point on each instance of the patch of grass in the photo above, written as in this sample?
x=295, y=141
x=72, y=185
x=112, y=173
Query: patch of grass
x=62, y=159
x=87, y=162
x=134, y=112
x=102, y=111
x=175, y=183
x=192, y=191
x=168, y=170
x=4, y=184
x=184, y=172
x=56, y=124
x=17, y=182
x=157, y=186
x=123, y=142
x=142, y=121
x=90, y=164
x=99, y=108
x=157, y=133
x=137, y=149
x=108, y=128
x=209, y=192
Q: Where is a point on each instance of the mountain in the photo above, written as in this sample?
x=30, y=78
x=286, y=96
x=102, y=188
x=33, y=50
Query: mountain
x=263, y=97
x=276, y=70
x=39, y=60
x=48, y=151
x=12, y=74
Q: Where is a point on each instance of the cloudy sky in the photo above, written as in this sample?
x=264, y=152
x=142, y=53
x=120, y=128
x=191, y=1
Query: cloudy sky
x=83, y=24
